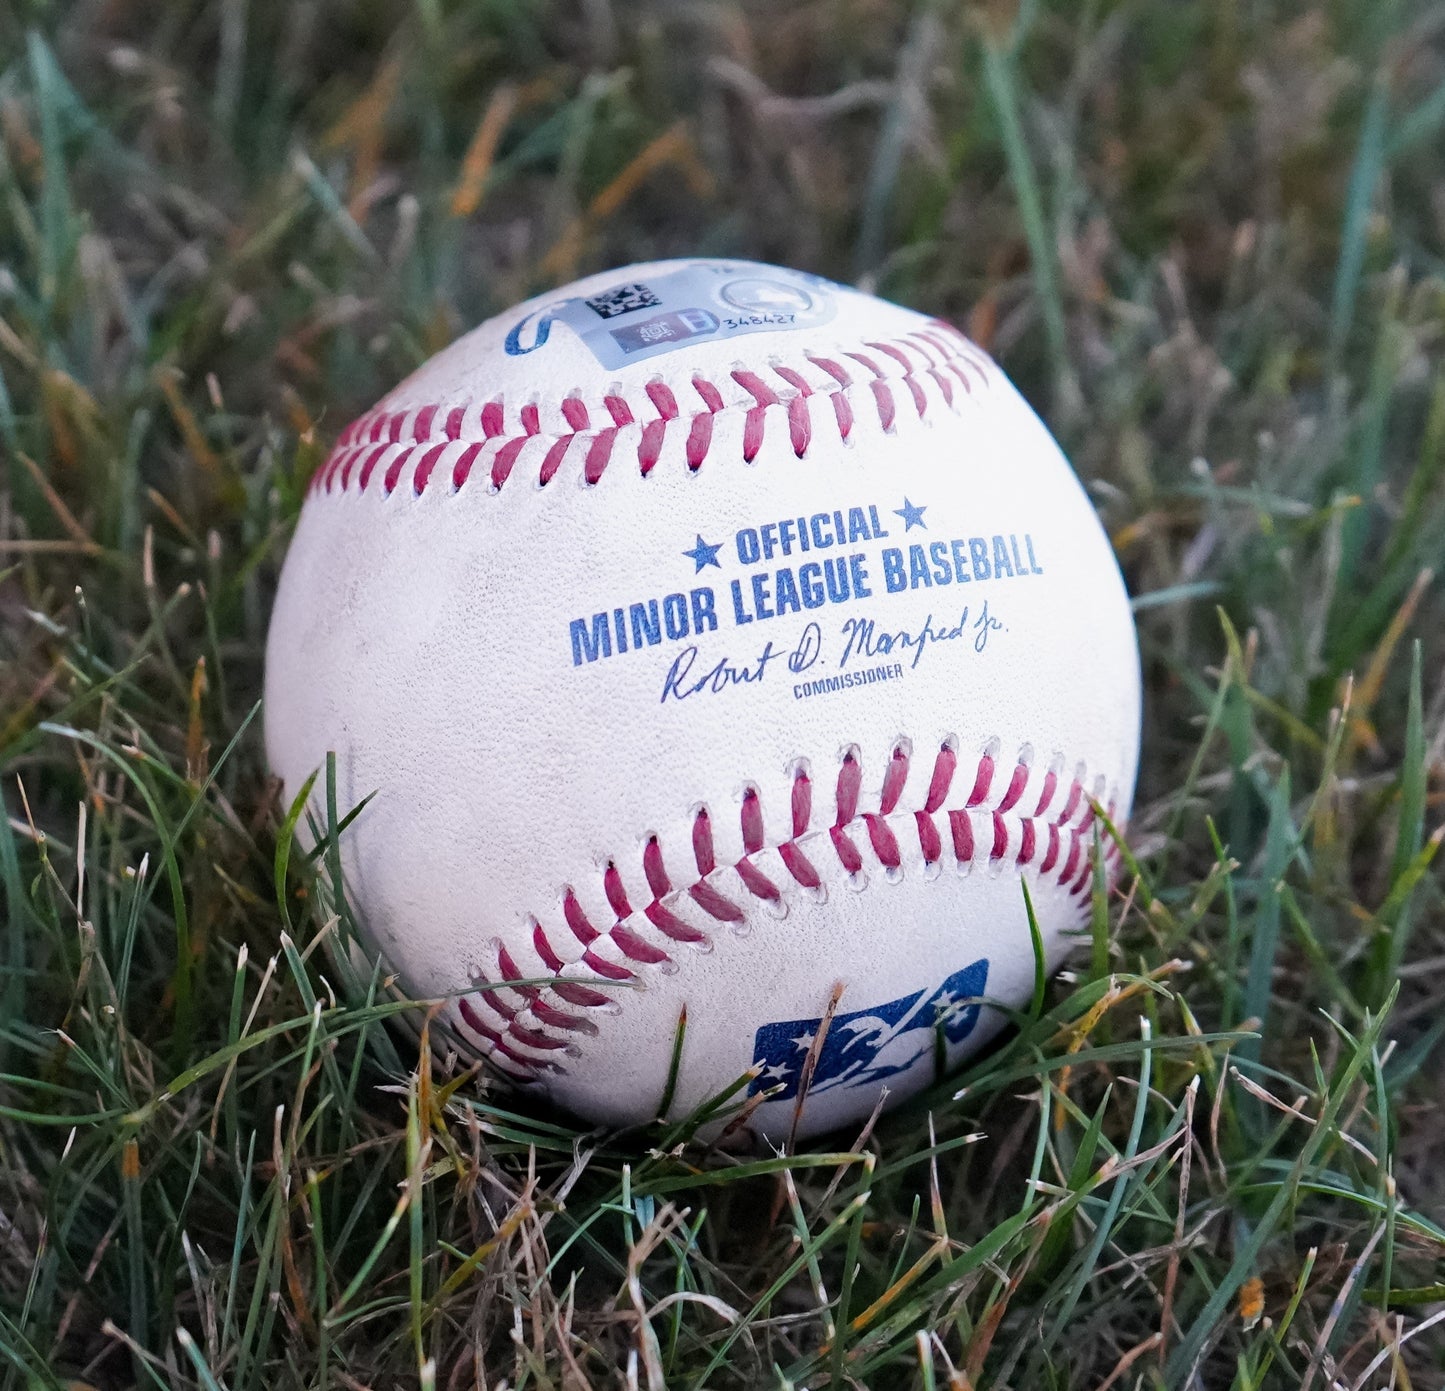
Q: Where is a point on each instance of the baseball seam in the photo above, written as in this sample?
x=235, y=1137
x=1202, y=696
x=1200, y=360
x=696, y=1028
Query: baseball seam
x=381, y=443
x=524, y=1024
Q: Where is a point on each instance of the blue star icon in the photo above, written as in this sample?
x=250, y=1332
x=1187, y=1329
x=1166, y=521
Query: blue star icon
x=912, y=516
x=703, y=554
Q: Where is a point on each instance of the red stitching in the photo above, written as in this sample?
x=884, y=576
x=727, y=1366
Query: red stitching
x=893, y=781
x=758, y=884
x=649, y=447
x=424, y=467
x=606, y=969
x=1000, y=837
x=599, y=454
x=499, y=1044
x=850, y=779
x=798, y=865
x=552, y=460
x=372, y=460
x=576, y=919
x=961, y=826
x=887, y=412
x=581, y=995
x=1015, y=788
x=699, y=440
x=714, y=904
x=670, y=925
x=462, y=469
x=1051, y=785
x=512, y=1029
x=1051, y=858
x=928, y=839
x=982, y=781
x=942, y=778
x=559, y=1018
x=802, y=802
x=511, y=973
x=419, y=435
x=884, y=842
x=660, y=394
x=846, y=851
x=752, y=819
x=800, y=423
x=616, y=892
x=702, y=843
x=1056, y=841
x=896, y=353
x=654, y=869
x=1026, y=844
x=394, y=472
x=505, y=458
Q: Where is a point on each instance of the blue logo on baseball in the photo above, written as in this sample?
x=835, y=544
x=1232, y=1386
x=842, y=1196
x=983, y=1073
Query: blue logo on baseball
x=868, y=1046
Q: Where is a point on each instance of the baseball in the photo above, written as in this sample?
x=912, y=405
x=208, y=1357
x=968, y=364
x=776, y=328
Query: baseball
x=718, y=651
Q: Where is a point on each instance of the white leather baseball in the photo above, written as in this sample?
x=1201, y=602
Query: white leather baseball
x=709, y=636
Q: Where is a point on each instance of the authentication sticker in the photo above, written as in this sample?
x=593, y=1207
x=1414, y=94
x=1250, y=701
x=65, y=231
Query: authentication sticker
x=636, y=319
x=870, y=1045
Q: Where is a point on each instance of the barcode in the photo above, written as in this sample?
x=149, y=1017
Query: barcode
x=623, y=299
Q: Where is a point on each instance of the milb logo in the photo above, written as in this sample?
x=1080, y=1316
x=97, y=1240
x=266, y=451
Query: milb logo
x=869, y=1045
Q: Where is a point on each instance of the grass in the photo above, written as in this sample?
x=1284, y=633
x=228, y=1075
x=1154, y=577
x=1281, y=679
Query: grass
x=1207, y=242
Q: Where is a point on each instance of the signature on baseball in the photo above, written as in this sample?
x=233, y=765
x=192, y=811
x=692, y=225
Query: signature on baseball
x=863, y=638
x=682, y=681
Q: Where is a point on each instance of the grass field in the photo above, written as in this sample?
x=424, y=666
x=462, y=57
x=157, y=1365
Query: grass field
x=1207, y=240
